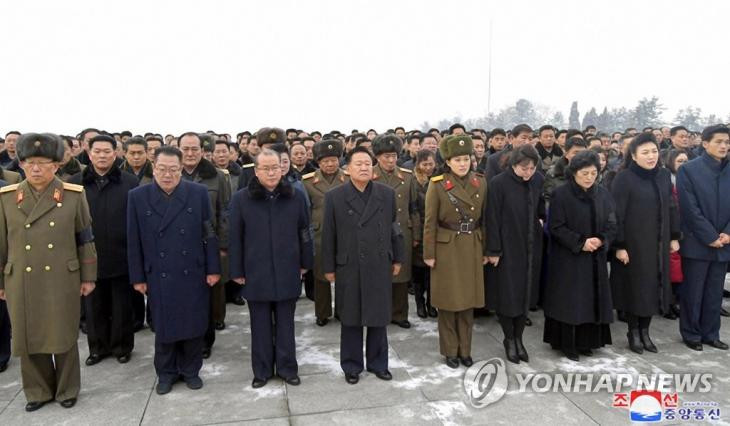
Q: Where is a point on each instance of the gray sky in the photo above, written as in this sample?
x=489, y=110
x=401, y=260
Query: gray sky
x=172, y=66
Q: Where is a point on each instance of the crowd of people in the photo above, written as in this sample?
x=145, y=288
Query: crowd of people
x=167, y=230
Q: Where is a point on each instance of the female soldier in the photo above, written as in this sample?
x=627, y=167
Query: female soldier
x=648, y=230
x=514, y=215
x=453, y=248
x=425, y=164
x=582, y=224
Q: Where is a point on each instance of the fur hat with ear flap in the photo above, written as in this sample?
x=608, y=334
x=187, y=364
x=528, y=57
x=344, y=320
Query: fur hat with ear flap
x=46, y=145
x=327, y=148
x=386, y=143
x=268, y=135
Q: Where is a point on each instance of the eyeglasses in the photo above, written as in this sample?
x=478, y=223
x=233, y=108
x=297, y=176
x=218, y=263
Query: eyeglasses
x=39, y=164
x=267, y=170
x=165, y=170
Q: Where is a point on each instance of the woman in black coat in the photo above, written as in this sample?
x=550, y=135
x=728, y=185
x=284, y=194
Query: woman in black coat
x=515, y=210
x=648, y=230
x=582, y=224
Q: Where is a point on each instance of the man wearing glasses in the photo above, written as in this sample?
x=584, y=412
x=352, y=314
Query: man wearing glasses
x=173, y=257
x=48, y=258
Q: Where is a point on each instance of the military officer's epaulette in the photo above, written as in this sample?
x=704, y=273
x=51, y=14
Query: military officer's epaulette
x=438, y=178
x=405, y=170
x=9, y=188
x=73, y=187
x=309, y=175
x=246, y=166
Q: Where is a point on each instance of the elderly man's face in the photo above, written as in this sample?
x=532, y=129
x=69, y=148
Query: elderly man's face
x=167, y=172
x=39, y=171
x=192, y=151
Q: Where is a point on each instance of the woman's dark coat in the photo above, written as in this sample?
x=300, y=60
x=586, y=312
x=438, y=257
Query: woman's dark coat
x=269, y=241
x=514, y=233
x=648, y=219
x=108, y=208
x=172, y=246
x=360, y=243
x=578, y=290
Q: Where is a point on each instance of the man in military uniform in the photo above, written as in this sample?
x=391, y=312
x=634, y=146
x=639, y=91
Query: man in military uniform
x=386, y=148
x=48, y=255
x=200, y=170
x=327, y=153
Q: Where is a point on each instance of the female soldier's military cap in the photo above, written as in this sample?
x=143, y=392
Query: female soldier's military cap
x=453, y=146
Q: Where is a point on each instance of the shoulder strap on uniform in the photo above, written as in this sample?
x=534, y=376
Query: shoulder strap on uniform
x=8, y=188
x=438, y=178
x=246, y=166
x=403, y=169
x=309, y=175
x=73, y=187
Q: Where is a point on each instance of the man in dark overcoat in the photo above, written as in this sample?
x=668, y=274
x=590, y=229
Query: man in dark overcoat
x=109, y=307
x=270, y=249
x=703, y=185
x=362, y=250
x=173, y=257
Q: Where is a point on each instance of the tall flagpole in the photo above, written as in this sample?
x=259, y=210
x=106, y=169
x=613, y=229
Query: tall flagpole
x=489, y=81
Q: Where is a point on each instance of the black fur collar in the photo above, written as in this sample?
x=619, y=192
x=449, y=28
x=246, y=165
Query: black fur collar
x=258, y=192
x=89, y=175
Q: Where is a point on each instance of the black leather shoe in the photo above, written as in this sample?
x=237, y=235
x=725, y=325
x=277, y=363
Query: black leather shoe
x=510, y=351
x=646, y=340
x=194, y=383
x=123, y=359
x=163, y=388
x=421, y=310
x=220, y=325
x=35, y=405
x=635, y=341
x=293, y=380
x=571, y=355
x=717, y=344
x=258, y=383
x=240, y=301
x=521, y=351
x=68, y=403
x=321, y=322
x=432, y=312
x=94, y=359
x=206, y=353
x=452, y=361
x=466, y=361
x=402, y=324
x=3, y=367
x=724, y=312
x=352, y=378
x=585, y=352
x=528, y=322
x=695, y=346
x=382, y=375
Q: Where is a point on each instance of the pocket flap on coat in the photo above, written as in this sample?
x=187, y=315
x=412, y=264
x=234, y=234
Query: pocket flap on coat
x=443, y=236
x=342, y=259
x=73, y=265
x=8, y=268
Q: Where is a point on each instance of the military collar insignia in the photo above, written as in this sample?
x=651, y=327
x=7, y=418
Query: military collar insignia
x=448, y=185
x=19, y=196
x=375, y=176
x=342, y=177
x=57, y=196
x=475, y=182
x=315, y=181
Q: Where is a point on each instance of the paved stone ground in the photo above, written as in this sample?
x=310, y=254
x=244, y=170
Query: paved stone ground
x=423, y=391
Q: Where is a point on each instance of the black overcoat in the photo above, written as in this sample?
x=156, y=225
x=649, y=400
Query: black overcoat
x=578, y=290
x=648, y=220
x=172, y=246
x=514, y=233
x=360, y=243
x=270, y=241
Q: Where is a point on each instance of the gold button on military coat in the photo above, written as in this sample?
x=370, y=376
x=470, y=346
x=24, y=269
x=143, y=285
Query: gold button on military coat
x=44, y=265
x=457, y=279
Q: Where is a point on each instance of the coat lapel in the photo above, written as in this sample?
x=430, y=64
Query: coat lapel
x=178, y=201
x=462, y=193
x=24, y=200
x=372, y=206
x=45, y=202
x=354, y=200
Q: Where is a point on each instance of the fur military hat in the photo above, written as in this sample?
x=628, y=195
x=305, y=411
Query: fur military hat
x=386, y=143
x=46, y=145
x=327, y=148
x=207, y=142
x=453, y=146
x=267, y=135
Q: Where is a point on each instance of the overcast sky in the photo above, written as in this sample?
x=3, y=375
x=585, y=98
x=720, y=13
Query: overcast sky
x=173, y=66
